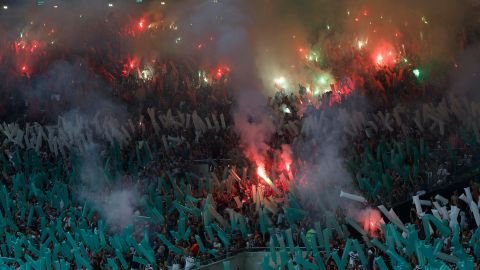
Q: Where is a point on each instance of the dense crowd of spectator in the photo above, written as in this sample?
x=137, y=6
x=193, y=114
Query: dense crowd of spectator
x=193, y=209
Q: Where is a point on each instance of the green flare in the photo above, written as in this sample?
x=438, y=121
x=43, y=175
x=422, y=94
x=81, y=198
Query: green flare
x=416, y=72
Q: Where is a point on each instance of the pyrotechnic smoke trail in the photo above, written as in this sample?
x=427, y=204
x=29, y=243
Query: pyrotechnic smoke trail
x=229, y=23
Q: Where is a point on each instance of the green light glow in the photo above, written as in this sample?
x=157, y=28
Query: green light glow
x=416, y=72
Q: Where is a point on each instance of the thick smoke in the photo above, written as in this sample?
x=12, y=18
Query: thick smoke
x=429, y=37
x=117, y=206
x=228, y=23
x=115, y=203
x=285, y=30
x=259, y=41
x=68, y=88
x=265, y=33
x=322, y=148
x=75, y=94
x=55, y=48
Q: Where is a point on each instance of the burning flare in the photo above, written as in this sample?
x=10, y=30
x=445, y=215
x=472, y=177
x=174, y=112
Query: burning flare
x=263, y=174
x=371, y=220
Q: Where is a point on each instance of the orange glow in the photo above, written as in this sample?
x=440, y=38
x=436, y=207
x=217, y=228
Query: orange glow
x=371, y=221
x=370, y=226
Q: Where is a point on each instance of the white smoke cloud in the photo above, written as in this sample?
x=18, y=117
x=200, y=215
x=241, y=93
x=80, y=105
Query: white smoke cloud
x=117, y=204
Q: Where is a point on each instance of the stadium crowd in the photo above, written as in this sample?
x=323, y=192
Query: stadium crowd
x=198, y=200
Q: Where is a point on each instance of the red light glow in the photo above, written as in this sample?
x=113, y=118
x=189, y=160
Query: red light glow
x=371, y=221
x=384, y=55
x=220, y=72
x=141, y=24
x=129, y=66
x=262, y=173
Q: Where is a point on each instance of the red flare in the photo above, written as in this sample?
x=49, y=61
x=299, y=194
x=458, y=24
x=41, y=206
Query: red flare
x=24, y=70
x=221, y=71
x=34, y=46
x=262, y=173
x=384, y=55
x=371, y=221
x=141, y=24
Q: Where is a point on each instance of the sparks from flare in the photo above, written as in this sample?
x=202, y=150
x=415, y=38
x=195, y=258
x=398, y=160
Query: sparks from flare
x=263, y=174
x=385, y=55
